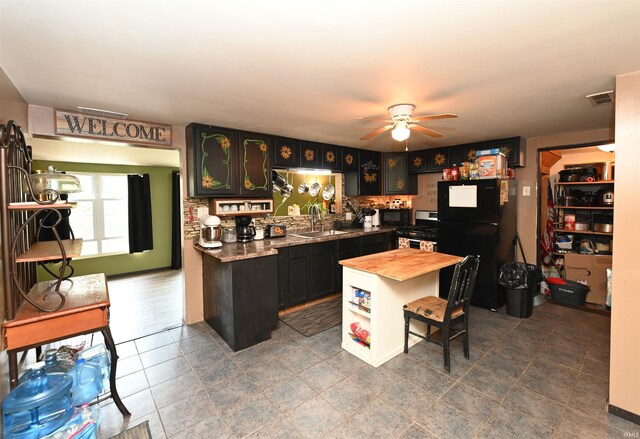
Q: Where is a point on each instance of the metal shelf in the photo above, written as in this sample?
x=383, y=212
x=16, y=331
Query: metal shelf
x=584, y=207
x=585, y=182
x=585, y=232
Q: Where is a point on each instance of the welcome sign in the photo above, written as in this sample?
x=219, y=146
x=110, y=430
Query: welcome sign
x=74, y=124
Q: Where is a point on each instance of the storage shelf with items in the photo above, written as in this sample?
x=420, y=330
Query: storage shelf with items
x=241, y=206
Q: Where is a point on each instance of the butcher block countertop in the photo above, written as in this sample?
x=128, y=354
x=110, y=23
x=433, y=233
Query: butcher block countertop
x=401, y=264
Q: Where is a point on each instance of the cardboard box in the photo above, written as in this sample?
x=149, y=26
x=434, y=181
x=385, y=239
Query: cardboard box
x=591, y=269
x=492, y=151
x=492, y=166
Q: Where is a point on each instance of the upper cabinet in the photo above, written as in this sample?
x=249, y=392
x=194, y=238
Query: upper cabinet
x=309, y=152
x=255, y=164
x=285, y=152
x=438, y=159
x=369, y=173
x=349, y=159
x=332, y=157
x=418, y=161
x=212, y=155
x=514, y=148
x=397, y=180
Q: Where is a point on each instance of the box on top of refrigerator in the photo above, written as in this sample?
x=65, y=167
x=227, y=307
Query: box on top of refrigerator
x=490, y=151
x=492, y=166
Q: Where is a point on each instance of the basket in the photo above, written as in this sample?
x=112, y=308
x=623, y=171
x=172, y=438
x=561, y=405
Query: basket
x=565, y=245
x=567, y=291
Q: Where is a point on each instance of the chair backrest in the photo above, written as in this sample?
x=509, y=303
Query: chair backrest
x=464, y=280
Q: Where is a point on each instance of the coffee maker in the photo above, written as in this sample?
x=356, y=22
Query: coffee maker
x=210, y=231
x=244, y=229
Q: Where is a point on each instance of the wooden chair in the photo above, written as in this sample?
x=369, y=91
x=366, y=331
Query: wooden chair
x=445, y=313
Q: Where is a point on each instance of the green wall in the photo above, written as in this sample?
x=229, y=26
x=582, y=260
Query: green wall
x=304, y=200
x=160, y=256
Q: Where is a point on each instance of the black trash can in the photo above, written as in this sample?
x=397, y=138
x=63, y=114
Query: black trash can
x=520, y=301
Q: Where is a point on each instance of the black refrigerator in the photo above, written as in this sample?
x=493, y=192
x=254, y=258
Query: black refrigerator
x=478, y=217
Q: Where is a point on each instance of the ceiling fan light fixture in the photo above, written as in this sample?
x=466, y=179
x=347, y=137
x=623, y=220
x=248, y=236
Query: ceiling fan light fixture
x=401, y=131
x=609, y=147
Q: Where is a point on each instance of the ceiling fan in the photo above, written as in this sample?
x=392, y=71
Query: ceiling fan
x=402, y=122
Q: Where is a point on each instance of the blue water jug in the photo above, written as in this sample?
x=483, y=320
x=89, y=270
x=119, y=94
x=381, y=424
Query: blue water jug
x=84, y=424
x=87, y=382
x=39, y=406
x=52, y=364
x=98, y=354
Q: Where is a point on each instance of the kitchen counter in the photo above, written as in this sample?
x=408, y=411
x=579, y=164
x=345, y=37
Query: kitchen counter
x=266, y=247
x=401, y=264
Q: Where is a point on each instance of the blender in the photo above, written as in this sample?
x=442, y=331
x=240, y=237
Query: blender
x=210, y=231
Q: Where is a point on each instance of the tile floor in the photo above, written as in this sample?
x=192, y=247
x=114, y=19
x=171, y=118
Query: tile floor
x=545, y=376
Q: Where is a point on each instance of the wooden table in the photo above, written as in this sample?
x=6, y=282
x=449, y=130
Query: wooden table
x=86, y=310
x=392, y=278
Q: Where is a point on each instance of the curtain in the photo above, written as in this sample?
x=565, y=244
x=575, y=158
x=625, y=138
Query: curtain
x=140, y=227
x=176, y=215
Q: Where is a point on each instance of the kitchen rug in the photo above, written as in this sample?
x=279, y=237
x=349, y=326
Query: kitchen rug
x=140, y=431
x=317, y=318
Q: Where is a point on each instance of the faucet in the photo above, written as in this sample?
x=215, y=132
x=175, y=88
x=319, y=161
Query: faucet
x=314, y=210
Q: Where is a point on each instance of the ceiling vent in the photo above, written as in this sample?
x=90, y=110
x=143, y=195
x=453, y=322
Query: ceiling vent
x=602, y=98
x=102, y=113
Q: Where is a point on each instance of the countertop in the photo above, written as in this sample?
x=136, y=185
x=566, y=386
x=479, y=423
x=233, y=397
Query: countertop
x=237, y=251
x=401, y=264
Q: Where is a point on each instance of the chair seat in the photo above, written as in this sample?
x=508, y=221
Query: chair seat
x=431, y=307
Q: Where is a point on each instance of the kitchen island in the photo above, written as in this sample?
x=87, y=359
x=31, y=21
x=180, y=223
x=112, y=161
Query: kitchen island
x=244, y=283
x=375, y=288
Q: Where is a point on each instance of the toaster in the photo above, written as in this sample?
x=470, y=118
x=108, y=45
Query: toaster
x=275, y=231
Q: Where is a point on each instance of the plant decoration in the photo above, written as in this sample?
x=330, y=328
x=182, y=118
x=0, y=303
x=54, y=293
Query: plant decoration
x=417, y=162
x=506, y=150
x=471, y=155
x=439, y=159
x=392, y=163
x=370, y=177
x=399, y=184
x=348, y=159
x=208, y=181
x=330, y=157
x=285, y=152
x=248, y=184
x=309, y=155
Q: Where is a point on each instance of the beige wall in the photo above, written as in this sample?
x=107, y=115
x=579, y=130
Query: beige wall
x=12, y=107
x=624, y=387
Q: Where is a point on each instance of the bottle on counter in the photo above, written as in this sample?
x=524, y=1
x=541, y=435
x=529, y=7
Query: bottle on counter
x=455, y=173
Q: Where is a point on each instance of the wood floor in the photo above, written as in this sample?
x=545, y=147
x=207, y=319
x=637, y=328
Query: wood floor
x=144, y=304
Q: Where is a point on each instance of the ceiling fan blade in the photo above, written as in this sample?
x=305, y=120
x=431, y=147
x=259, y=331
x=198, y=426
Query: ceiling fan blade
x=435, y=116
x=424, y=130
x=376, y=132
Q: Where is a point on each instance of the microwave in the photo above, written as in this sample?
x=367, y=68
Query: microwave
x=395, y=217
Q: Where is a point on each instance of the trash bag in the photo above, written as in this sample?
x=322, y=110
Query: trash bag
x=518, y=275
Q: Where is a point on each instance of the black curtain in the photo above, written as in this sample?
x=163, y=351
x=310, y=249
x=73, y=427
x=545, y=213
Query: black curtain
x=140, y=227
x=176, y=215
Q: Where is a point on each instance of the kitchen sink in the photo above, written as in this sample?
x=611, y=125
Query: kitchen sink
x=318, y=234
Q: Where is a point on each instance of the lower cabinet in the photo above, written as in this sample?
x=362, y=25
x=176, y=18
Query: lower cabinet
x=374, y=244
x=322, y=260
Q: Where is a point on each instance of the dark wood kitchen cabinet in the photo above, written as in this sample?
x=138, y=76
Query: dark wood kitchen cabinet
x=332, y=157
x=437, y=159
x=322, y=261
x=285, y=152
x=374, y=243
x=293, y=275
x=349, y=159
x=310, y=154
x=347, y=249
x=397, y=180
x=367, y=180
x=463, y=153
x=255, y=164
x=212, y=160
x=418, y=161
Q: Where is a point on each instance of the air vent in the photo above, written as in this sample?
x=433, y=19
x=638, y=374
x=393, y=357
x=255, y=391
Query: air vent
x=602, y=98
x=102, y=113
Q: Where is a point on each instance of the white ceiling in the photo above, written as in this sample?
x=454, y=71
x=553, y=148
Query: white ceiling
x=308, y=70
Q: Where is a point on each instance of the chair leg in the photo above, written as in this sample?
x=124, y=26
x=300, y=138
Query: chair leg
x=465, y=339
x=406, y=334
x=445, y=348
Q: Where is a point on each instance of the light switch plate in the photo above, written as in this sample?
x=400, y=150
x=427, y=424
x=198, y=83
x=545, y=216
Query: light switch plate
x=526, y=191
x=347, y=216
x=203, y=210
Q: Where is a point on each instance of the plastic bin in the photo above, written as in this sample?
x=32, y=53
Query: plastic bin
x=567, y=291
x=520, y=301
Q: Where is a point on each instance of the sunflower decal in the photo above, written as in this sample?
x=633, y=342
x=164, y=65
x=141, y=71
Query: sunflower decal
x=370, y=177
x=439, y=159
x=309, y=155
x=505, y=150
x=263, y=147
x=248, y=184
x=285, y=152
x=417, y=162
x=399, y=184
x=207, y=182
x=330, y=157
x=392, y=163
x=348, y=159
x=471, y=155
x=224, y=142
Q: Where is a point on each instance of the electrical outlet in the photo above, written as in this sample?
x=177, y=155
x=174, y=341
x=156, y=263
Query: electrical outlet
x=203, y=210
x=526, y=191
x=348, y=216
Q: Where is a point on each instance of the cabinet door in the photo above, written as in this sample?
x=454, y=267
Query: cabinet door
x=375, y=243
x=347, y=249
x=437, y=159
x=369, y=178
x=396, y=173
x=298, y=274
x=332, y=157
x=463, y=153
x=418, y=161
x=255, y=164
x=514, y=148
x=349, y=159
x=322, y=260
x=285, y=152
x=309, y=152
x=283, y=278
x=212, y=160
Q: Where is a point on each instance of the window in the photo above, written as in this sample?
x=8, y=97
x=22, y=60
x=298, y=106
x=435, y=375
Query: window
x=101, y=216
